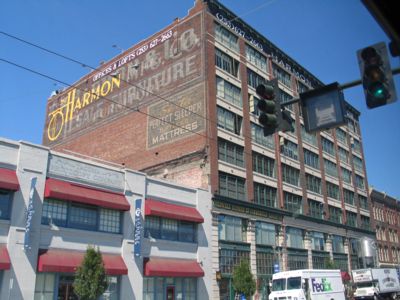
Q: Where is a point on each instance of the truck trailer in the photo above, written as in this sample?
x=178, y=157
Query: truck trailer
x=307, y=285
x=374, y=283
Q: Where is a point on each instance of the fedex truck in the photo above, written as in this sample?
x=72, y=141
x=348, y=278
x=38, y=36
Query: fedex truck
x=307, y=285
x=376, y=284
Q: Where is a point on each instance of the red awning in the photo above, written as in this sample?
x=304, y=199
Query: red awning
x=59, y=189
x=5, y=262
x=166, y=267
x=66, y=261
x=172, y=211
x=8, y=180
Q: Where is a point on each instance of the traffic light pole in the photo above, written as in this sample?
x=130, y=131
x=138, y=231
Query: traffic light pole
x=341, y=87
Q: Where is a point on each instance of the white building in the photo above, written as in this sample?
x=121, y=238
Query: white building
x=52, y=206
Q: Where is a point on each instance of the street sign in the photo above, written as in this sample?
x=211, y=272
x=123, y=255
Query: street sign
x=323, y=108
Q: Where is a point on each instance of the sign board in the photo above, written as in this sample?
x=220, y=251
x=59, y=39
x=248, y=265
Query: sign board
x=29, y=214
x=137, y=245
x=323, y=108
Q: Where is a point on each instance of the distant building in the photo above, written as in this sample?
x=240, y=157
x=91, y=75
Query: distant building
x=386, y=214
x=181, y=105
x=154, y=235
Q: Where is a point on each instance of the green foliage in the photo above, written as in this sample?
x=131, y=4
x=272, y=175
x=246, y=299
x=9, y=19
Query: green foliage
x=330, y=264
x=90, y=277
x=243, y=280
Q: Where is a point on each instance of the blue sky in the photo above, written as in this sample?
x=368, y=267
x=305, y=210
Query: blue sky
x=321, y=35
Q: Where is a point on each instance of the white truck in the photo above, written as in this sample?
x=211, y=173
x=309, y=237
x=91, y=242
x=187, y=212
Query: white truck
x=307, y=285
x=376, y=283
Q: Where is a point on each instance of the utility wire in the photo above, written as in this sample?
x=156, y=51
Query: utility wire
x=98, y=70
x=135, y=109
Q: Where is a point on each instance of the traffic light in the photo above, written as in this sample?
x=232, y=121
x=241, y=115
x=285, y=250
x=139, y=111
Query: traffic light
x=376, y=75
x=270, y=110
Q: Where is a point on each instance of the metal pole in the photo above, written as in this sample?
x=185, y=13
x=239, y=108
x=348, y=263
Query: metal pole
x=342, y=87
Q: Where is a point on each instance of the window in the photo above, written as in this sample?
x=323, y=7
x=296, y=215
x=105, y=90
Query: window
x=232, y=186
x=285, y=97
x=317, y=241
x=232, y=228
x=313, y=183
x=227, y=38
x=335, y=214
x=293, y=203
x=290, y=175
x=264, y=195
x=328, y=146
x=363, y=202
x=257, y=135
x=310, y=138
x=360, y=182
x=356, y=145
x=229, y=92
x=337, y=244
x=294, y=237
x=265, y=263
x=341, y=135
x=346, y=175
x=265, y=233
x=230, y=153
x=230, y=258
x=358, y=164
x=343, y=155
x=81, y=216
x=263, y=164
x=256, y=58
x=226, y=63
x=332, y=190
x=351, y=219
x=330, y=168
x=301, y=88
x=169, y=229
x=5, y=204
x=153, y=288
x=229, y=121
x=289, y=149
x=348, y=197
x=253, y=79
x=365, y=223
x=311, y=159
x=283, y=76
x=316, y=209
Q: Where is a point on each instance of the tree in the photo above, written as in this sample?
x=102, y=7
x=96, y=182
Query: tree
x=90, y=277
x=330, y=264
x=243, y=281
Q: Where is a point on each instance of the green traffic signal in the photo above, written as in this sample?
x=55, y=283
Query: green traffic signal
x=376, y=75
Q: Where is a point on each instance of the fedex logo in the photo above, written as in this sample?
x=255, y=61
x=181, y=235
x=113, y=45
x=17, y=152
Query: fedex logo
x=324, y=286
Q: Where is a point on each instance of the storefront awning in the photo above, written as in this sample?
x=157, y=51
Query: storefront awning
x=172, y=211
x=5, y=262
x=64, y=190
x=166, y=267
x=66, y=261
x=8, y=180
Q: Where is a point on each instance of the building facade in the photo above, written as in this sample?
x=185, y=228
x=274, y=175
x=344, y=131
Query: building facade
x=181, y=105
x=154, y=236
x=386, y=212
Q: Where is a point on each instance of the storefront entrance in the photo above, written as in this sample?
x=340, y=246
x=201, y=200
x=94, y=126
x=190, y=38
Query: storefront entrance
x=65, y=288
x=170, y=293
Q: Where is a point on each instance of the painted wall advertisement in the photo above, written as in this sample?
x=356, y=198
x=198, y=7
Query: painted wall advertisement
x=140, y=76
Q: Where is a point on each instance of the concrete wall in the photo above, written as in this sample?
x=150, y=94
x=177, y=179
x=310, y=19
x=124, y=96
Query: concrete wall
x=37, y=161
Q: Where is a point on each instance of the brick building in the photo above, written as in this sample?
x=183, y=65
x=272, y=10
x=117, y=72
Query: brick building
x=181, y=105
x=386, y=213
